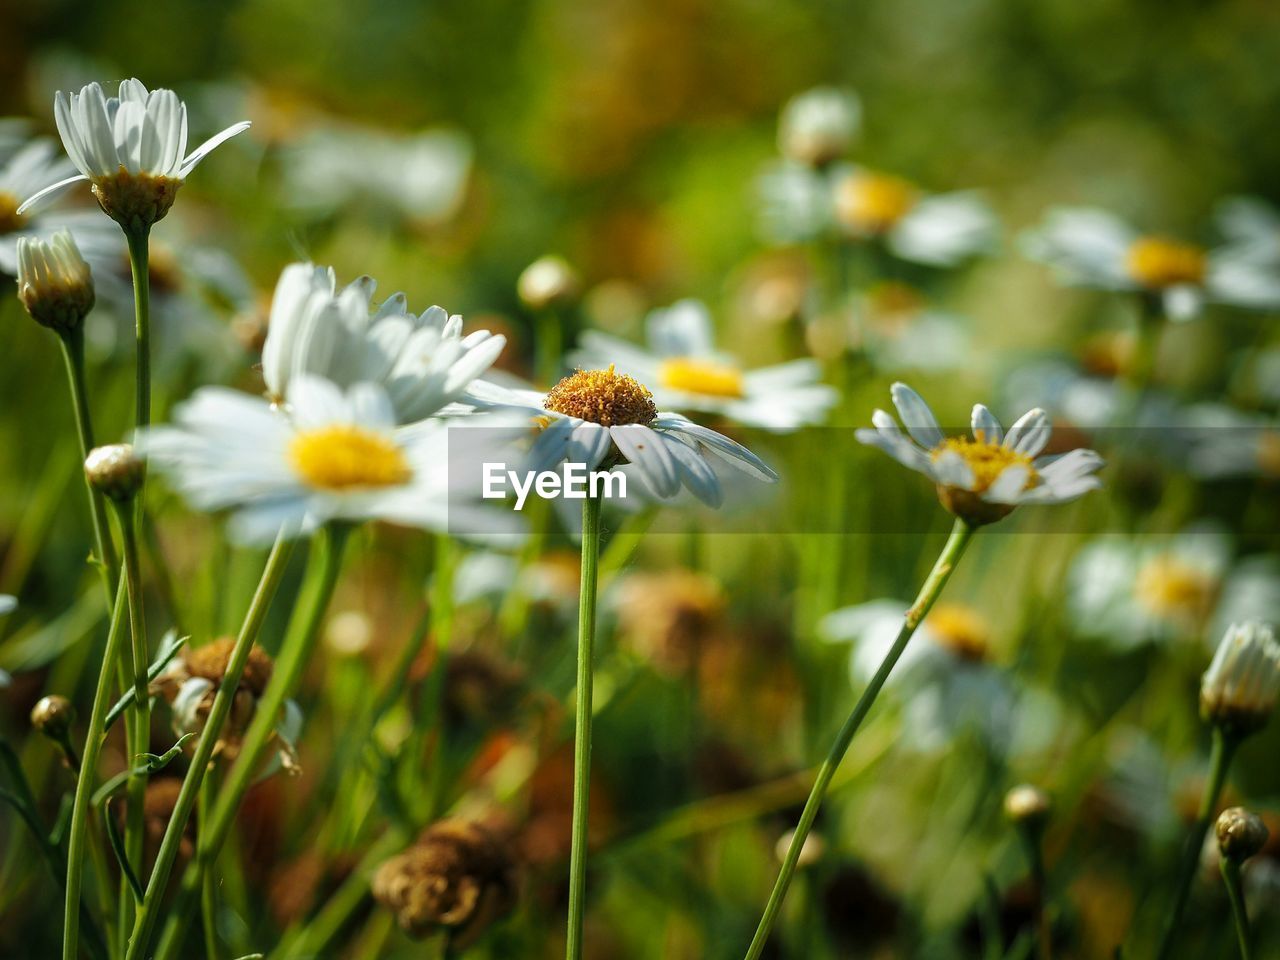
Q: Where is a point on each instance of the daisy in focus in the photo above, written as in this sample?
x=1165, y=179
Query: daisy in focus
x=983, y=478
x=1094, y=248
x=336, y=456
x=596, y=417
x=688, y=373
x=423, y=362
x=132, y=148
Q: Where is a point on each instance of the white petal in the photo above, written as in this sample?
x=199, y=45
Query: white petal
x=1030, y=433
x=209, y=146
x=985, y=425
x=48, y=191
x=642, y=447
x=916, y=416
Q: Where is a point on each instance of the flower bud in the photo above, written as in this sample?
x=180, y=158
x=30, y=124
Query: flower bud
x=548, y=282
x=1241, y=834
x=1028, y=805
x=54, y=282
x=811, y=850
x=53, y=716
x=1239, y=690
x=818, y=127
x=115, y=471
x=458, y=876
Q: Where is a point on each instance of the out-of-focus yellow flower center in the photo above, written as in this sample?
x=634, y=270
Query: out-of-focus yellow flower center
x=9, y=218
x=987, y=460
x=1269, y=454
x=873, y=202
x=1157, y=263
x=960, y=629
x=1173, y=589
x=602, y=396
x=691, y=375
x=344, y=457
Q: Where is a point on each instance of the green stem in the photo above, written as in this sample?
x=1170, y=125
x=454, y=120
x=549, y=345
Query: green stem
x=295, y=653
x=73, y=355
x=582, y=724
x=547, y=345
x=139, y=254
x=208, y=895
x=1224, y=748
x=84, y=782
x=1235, y=893
x=1033, y=840
x=187, y=795
x=961, y=533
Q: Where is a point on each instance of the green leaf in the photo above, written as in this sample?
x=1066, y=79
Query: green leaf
x=117, y=845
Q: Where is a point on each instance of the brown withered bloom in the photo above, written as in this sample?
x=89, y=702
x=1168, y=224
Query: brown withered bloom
x=458, y=877
x=668, y=616
x=479, y=688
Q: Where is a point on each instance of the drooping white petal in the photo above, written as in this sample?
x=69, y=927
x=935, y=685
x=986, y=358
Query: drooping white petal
x=695, y=473
x=641, y=447
x=209, y=146
x=49, y=191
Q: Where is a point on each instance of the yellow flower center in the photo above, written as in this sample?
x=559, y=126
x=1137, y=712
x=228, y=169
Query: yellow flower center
x=10, y=221
x=344, y=458
x=1269, y=454
x=706, y=377
x=602, y=396
x=1174, y=590
x=987, y=460
x=1156, y=263
x=961, y=630
x=873, y=202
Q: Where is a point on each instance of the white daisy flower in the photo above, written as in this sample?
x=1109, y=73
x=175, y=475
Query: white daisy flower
x=422, y=361
x=131, y=147
x=335, y=456
x=903, y=332
x=984, y=478
x=29, y=170
x=1225, y=442
x=594, y=417
x=818, y=126
x=55, y=283
x=1094, y=248
x=1242, y=684
x=688, y=373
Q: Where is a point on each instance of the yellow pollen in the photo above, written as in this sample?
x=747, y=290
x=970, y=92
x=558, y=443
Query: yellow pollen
x=602, y=396
x=1157, y=263
x=1174, y=590
x=706, y=377
x=9, y=217
x=987, y=460
x=345, y=458
x=873, y=202
x=961, y=630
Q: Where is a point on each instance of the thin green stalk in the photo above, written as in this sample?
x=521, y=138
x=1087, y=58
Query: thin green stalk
x=104, y=554
x=1224, y=748
x=1033, y=841
x=169, y=845
x=139, y=255
x=547, y=346
x=208, y=894
x=442, y=634
x=582, y=724
x=955, y=546
x=324, y=565
x=1235, y=893
x=84, y=782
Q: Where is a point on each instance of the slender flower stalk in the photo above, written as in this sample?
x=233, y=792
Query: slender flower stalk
x=139, y=265
x=582, y=724
x=79, y=832
x=1241, y=834
x=1235, y=893
x=187, y=796
x=961, y=533
x=1027, y=807
x=299, y=643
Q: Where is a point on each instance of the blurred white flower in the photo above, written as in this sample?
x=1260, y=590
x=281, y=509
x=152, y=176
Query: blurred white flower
x=903, y=332
x=1251, y=229
x=601, y=416
x=1225, y=442
x=550, y=281
x=422, y=361
x=818, y=126
x=984, y=478
x=137, y=138
x=421, y=177
x=8, y=604
x=1094, y=248
x=335, y=456
x=1241, y=686
x=687, y=373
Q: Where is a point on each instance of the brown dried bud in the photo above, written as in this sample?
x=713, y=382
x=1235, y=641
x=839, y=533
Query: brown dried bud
x=457, y=876
x=1241, y=834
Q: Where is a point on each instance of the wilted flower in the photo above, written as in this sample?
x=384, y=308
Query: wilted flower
x=130, y=148
x=688, y=373
x=335, y=456
x=1240, y=833
x=1094, y=248
x=818, y=126
x=54, y=282
x=422, y=361
x=1239, y=690
x=549, y=281
x=984, y=478
x=116, y=471
x=457, y=876
x=602, y=416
